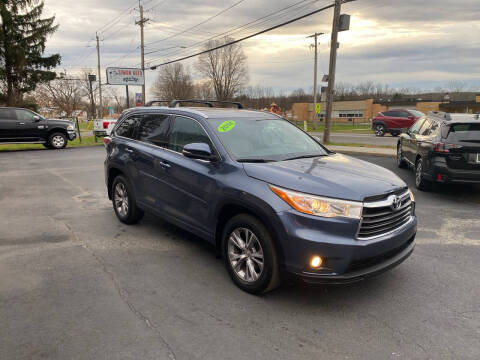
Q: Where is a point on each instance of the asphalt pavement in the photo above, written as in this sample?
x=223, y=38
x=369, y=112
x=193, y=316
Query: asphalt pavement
x=77, y=284
x=355, y=138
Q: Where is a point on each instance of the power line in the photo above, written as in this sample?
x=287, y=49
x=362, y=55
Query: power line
x=112, y=21
x=246, y=37
x=242, y=28
x=200, y=23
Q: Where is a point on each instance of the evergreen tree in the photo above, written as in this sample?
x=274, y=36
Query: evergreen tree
x=23, y=38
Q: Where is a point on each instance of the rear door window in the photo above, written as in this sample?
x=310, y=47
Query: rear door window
x=186, y=131
x=154, y=129
x=416, y=127
x=425, y=129
x=7, y=114
x=128, y=126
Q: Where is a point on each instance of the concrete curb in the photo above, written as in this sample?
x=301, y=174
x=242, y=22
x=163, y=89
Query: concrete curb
x=352, y=150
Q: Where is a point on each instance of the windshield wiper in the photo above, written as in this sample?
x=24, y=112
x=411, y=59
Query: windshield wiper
x=255, y=160
x=304, y=157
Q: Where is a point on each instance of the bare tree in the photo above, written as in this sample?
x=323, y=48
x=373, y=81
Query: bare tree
x=456, y=86
x=62, y=95
x=225, y=68
x=173, y=82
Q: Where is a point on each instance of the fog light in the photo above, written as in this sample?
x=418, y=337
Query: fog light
x=316, y=262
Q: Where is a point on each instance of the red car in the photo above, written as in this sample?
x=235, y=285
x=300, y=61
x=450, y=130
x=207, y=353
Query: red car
x=394, y=120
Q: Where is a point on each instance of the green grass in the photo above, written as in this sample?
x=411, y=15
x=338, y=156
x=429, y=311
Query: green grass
x=86, y=141
x=361, y=145
x=358, y=129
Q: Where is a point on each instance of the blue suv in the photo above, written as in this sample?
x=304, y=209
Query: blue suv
x=269, y=197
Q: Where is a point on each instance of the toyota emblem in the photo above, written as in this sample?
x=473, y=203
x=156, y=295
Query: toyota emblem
x=396, y=202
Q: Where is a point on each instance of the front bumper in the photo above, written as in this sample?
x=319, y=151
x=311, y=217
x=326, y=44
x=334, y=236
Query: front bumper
x=345, y=259
x=72, y=135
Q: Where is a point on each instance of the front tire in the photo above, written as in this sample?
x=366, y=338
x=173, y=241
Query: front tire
x=380, y=130
x=124, y=202
x=57, y=141
x=250, y=255
x=420, y=182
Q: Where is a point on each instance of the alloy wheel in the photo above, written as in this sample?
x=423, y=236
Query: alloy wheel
x=120, y=198
x=58, y=141
x=418, y=173
x=399, y=155
x=245, y=255
x=379, y=130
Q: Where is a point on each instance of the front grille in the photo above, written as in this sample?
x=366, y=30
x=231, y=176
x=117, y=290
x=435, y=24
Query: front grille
x=381, y=217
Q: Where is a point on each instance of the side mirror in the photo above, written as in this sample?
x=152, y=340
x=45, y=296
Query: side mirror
x=36, y=118
x=199, y=151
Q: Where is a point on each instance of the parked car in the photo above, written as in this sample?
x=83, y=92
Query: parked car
x=269, y=197
x=23, y=126
x=443, y=148
x=103, y=127
x=394, y=120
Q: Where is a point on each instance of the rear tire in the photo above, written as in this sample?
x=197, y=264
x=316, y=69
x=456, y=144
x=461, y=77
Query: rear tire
x=57, y=141
x=401, y=163
x=124, y=201
x=420, y=182
x=380, y=130
x=250, y=255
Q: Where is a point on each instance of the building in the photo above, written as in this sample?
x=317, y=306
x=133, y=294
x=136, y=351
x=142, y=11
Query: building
x=362, y=111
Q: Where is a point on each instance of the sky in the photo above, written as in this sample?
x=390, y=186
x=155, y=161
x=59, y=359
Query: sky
x=414, y=44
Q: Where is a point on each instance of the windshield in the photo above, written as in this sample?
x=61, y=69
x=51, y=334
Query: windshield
x=417, y=113
x=248, y=139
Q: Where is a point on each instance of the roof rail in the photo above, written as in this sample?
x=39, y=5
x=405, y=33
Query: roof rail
x=440, y=114
x=210, y=103
x=157, y=101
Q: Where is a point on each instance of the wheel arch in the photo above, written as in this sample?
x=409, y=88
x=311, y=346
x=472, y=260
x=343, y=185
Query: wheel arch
x=113, y=172
x=232, y=208
x=57, y=130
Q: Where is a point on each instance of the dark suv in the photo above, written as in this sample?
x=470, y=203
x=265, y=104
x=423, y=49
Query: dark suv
x=268, y=196
x=394, y=120
x=19, y=126
x=443, y=148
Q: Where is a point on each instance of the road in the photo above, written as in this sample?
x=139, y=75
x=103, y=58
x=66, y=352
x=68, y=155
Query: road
x=77, y=284
x=360, y=138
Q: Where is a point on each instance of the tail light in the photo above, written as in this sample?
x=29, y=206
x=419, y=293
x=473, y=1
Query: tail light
x=105, y=124
x=107, y=140
x=445, y=147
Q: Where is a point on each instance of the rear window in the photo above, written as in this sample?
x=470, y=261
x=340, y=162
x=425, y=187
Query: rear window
x=467, y=132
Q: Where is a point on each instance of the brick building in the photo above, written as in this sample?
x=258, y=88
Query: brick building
x=361, y=111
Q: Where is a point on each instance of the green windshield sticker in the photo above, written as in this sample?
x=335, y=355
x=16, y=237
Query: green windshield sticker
x=226, y=126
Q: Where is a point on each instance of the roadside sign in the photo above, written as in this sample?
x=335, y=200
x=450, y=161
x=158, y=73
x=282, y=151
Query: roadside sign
x=125, y=76
x=138, y=99
x=318, y=109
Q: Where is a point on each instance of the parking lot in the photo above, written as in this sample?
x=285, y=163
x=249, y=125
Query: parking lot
x=75, y=283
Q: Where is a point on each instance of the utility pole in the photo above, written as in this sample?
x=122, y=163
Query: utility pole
x=99, y=74
x=331, y=70
x=142, y=22
x=315, y=70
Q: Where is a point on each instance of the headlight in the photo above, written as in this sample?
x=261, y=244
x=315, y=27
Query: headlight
x=70, y=128
x=412, y=198
x=319, y=206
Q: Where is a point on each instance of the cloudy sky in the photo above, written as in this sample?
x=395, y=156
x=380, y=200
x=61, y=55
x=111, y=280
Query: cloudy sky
x=403, y=43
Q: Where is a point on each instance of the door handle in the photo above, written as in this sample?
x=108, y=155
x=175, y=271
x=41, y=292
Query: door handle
x=129, y=150
x=164, y=165
x=22, y=123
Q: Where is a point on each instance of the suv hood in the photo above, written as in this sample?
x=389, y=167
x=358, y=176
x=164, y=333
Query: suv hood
x=336, y=176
